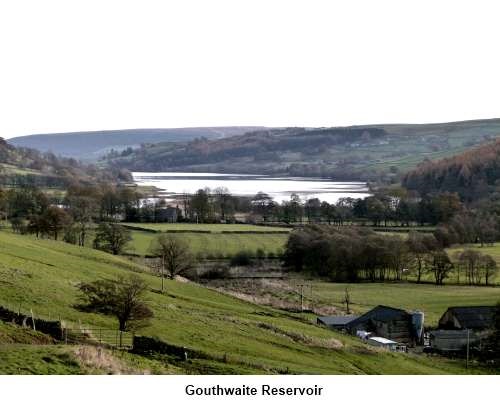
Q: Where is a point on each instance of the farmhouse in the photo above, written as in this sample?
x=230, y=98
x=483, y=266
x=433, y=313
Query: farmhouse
x=336, y=322
x=390, y=323
x=168, y=214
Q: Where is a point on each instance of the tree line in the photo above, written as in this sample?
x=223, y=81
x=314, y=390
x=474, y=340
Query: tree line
x=355, y=254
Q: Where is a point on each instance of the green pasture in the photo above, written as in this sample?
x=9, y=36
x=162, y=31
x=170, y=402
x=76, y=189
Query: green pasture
x=43, y=275
x=213, y=244
x=432, y=299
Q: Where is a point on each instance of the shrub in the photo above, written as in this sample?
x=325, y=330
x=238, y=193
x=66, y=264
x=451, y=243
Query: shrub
x=241, y=258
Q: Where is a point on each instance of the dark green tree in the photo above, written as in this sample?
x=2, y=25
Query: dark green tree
x=122, y=298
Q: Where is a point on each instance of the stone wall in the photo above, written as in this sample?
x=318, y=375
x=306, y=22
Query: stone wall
x=52, y=328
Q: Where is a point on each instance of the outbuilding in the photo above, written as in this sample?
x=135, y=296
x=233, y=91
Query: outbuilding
x=336, y=322
x=388, y=344
x=462, y=326
x=472, y=318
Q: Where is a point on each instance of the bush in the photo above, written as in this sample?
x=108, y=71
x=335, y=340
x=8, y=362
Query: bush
x=241, y=258
x=260, y=254
x=215, y=273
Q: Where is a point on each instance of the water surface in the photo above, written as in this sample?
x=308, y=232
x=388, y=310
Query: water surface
x=279, y=188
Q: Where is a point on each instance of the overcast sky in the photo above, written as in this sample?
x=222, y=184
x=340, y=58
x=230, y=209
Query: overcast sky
x=91, y=65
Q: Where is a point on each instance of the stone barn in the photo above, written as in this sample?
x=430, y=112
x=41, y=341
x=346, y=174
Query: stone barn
x=473, y=318
x=460, y=326
x=390, y=323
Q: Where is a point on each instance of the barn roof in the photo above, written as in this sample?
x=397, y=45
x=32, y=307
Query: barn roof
x=475, y=317
x=336, y=320
x=379, y=313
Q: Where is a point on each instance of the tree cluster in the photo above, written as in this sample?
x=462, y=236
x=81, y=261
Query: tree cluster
x=353, y=254
x=473, y=174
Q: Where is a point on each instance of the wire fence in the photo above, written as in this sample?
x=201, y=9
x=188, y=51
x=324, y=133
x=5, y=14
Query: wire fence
x=69, y=332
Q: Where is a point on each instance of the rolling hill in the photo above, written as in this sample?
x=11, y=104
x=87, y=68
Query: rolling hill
x=369, y=152
x=93, y=144
x=26, y=166
x=235, y=336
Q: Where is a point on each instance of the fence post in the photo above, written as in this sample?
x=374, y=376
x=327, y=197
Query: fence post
x=33, y=320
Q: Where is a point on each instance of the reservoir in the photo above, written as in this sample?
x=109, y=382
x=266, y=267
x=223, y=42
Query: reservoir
x=279, y=188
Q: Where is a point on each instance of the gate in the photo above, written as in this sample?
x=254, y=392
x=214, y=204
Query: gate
x=104, y=337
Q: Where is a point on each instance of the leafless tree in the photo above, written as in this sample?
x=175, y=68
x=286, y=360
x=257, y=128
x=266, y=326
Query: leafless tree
x=175, y=255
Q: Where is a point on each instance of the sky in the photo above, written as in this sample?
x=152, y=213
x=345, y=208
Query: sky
x=93, y=65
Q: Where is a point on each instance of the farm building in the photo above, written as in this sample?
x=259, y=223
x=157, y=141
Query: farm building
x=336, y=322
x=474, y=318
x=386, y=344
x=455, y=340
x=460, y=325
x=168, y=214
x=390, y=323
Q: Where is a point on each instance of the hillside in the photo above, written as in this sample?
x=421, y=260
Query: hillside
x=473, y=174
x=91, y=145
x=370, y=152
x=22, y=166
x=42, y=275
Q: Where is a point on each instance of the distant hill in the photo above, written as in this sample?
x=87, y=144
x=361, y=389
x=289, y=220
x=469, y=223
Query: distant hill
x=24, y=166
x=368, y=152
x=91, y=145
x=473, y=174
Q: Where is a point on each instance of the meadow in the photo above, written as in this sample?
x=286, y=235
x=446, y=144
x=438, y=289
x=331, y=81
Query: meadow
x=213, y=244
x=432, y=299
x=42, y=276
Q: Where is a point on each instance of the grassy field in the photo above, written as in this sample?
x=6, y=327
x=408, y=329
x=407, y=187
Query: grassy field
x=42, y=275
x=213, y=244
x=493, y=251
x=329, y=297
x=433, y=300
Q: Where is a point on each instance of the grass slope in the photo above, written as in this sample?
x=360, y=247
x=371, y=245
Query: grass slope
x=42, y=275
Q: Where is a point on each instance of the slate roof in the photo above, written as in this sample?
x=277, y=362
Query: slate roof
x=476, y=317
x=379, y=313
x=336, y=320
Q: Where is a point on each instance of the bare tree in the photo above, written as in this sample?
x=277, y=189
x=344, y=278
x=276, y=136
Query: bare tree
x=489, y=266
x=441, y=266
x=55, y=220
x=420, y=247
x=111, y=237
x=174, y=254
x=122, y=298
x=347, y=300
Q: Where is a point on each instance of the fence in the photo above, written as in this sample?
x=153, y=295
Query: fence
x=68, y=332
x=105, y=337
